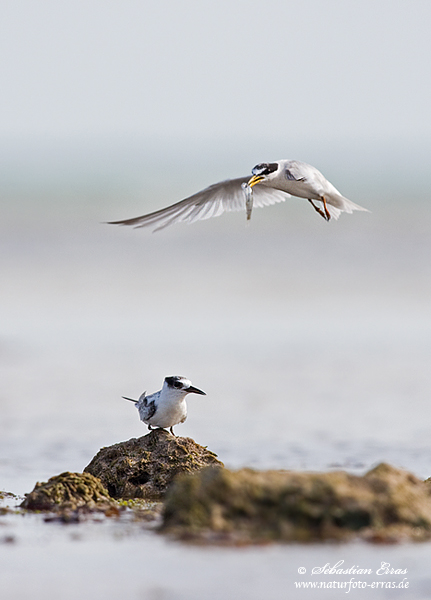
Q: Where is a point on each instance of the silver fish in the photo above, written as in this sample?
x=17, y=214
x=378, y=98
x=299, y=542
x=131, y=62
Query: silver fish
x=248, y=191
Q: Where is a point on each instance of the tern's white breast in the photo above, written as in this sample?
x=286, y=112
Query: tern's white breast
x=170, y=410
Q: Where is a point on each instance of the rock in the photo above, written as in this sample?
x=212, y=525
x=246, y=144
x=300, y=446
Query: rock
x=69, y=492
x=144, y=467
x=218, y=505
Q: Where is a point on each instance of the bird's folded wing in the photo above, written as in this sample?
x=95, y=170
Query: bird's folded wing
x=147, y=410
x=296, y=171
x=211, y=202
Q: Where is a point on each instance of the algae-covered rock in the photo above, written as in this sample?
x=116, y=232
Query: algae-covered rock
x=68, y=492
x=144, y=467
x=251, y=506
x=407, y=499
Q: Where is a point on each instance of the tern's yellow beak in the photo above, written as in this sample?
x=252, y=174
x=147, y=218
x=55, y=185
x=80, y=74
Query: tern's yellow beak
x=255, y=179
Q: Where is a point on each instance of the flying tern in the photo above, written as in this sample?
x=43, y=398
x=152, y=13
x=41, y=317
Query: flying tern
x=270, y=183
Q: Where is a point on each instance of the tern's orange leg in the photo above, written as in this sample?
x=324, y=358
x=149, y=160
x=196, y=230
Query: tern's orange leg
x=328, y=216
x=319, y=210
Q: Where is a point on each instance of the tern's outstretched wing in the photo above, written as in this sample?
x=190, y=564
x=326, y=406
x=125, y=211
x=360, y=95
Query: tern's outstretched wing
x=211, y=202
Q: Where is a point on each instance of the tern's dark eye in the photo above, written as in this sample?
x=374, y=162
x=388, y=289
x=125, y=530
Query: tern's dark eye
x=264, y=168
x=173, y=381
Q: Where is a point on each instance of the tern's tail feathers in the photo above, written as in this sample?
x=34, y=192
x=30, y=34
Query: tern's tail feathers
x=131, y=399
x=337, y=204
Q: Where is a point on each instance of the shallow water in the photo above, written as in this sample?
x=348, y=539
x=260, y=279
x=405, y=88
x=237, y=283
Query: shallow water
x=312, y=341
x=110, y=559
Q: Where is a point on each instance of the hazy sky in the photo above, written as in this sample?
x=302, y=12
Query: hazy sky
x=195, y=69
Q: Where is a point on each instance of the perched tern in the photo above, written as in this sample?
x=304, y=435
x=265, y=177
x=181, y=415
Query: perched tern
x=167, y=407
x=270, y=183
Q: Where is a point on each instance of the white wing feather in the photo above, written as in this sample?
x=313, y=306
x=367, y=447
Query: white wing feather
x=214, y=200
